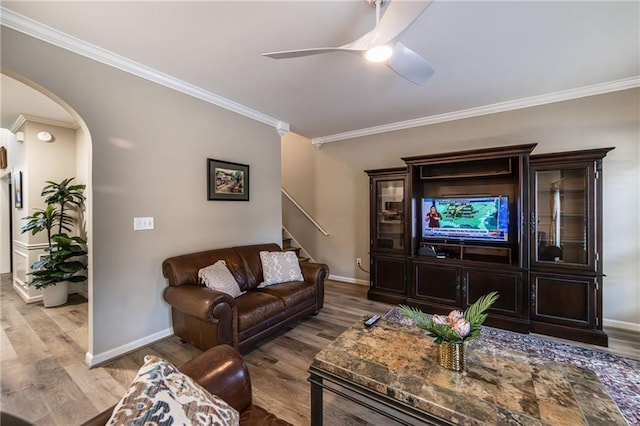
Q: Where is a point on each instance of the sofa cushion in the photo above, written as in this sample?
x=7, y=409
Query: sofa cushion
x=279, y=267
x=218, y=277
x=292, y=294
x=255, y=307
x=160, y=394
x=250, y=256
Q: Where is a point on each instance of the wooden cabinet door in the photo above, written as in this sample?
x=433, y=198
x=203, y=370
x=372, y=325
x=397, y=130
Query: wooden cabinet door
x=388, y=213
x=563, y=216
x=388, y=279
x=438, y=284
x=564, y=300
x=508, y=284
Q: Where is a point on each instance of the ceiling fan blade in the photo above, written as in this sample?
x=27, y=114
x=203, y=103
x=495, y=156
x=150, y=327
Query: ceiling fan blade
x=400, y=14
x=397, y=18
x=308, y=52
x=409, y=65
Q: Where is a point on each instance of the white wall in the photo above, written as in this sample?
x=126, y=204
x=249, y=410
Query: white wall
x=330, y=182
x=83, y=175
x=149, y=147
x=7, y=139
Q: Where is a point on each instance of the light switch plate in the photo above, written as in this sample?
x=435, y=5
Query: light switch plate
x=142, y=223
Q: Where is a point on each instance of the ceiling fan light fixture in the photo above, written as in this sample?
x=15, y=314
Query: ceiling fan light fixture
x=379, y=53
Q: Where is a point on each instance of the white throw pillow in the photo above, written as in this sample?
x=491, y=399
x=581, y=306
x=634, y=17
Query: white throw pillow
x=160, y=394
x=279, y=267
x=218, y=277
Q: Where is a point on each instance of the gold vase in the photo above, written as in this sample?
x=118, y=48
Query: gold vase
x=451, y=355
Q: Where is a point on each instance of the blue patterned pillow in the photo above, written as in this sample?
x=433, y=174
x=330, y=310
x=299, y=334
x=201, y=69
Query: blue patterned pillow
x=160, y=394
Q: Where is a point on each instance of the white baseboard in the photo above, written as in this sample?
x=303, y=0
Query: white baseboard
x=79, y=288
x=349, y=280
x=93, y=360
x=82, y=292
x=622, y=325
x=24, y=294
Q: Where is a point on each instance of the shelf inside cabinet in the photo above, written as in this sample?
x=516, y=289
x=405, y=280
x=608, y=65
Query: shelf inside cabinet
x=471, y=252
x=488, y=254
x=466, y=169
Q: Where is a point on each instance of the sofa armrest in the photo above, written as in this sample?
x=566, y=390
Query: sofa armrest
x=314, y=273
x=199, y=302
x=222, y=371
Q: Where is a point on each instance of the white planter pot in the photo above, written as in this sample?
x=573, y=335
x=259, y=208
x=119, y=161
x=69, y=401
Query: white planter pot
x=55, y=295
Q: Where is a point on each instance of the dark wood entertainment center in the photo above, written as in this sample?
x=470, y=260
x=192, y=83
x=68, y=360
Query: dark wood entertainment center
x=548, y=272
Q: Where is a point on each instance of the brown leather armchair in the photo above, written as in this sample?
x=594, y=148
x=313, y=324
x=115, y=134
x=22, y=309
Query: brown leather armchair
x=221, y=371
x=205, y=317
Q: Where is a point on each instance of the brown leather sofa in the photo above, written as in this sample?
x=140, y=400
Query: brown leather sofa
x=206, y=317
x=221, y=371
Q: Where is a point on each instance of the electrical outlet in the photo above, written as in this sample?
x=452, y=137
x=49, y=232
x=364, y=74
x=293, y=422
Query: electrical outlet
x=142, y=223
x=358, y=261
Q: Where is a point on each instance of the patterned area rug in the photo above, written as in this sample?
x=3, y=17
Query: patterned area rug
x=619, y=375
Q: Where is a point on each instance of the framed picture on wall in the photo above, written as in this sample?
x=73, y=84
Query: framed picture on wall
x=3, y=157
x=17, y=189
x=227, y=181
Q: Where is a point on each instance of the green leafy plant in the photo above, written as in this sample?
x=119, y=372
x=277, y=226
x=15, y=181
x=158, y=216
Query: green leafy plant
x=61, y=261
x=457, y=327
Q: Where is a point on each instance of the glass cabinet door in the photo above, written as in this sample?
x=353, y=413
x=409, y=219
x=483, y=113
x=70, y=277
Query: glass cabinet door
x=561, y=216
x=390, y=215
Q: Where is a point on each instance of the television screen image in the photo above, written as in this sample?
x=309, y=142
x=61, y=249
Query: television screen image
x=466, y=218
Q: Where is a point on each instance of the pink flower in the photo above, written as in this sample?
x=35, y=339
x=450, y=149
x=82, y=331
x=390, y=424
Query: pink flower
x=454, y=317
x=462, y=327
x=439, y=319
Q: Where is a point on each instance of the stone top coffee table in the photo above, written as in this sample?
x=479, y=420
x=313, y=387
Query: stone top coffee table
x=391, y=368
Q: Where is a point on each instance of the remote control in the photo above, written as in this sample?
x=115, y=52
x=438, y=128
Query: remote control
x=374, y=319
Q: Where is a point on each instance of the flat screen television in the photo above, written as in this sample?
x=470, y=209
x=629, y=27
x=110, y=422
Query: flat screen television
x=472, y=218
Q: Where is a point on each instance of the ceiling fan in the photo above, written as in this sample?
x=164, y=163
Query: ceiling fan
x=380, y=44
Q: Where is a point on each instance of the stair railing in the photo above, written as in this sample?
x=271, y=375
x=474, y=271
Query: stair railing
x=304, y=212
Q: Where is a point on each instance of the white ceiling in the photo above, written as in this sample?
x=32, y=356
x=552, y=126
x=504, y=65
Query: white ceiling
x=484, y=53
x=20, y=99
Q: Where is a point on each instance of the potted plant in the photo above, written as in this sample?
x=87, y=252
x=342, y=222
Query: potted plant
x=452, y=331
x=60, y=265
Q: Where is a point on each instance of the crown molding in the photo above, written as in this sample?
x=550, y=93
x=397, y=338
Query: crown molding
x=23, y=118
x=30, y=27
x=564, y=95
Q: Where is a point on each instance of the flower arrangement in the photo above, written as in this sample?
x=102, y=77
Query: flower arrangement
x=457, y=327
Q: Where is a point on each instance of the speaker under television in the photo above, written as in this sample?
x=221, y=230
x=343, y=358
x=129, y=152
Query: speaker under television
x=427, y=250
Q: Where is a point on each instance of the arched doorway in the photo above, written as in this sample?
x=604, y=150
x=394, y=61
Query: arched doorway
x=30, y=108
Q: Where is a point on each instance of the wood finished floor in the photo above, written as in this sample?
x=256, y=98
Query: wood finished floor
x=45, y=381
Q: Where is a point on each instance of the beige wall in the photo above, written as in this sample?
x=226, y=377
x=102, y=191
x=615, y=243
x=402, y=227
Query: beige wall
x=149, y=146
x=38, y=162
x=331, y=184
x=45, y=161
